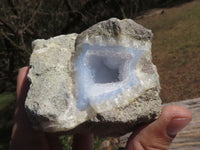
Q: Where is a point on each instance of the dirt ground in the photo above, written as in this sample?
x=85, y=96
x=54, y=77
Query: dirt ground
x=176, y=49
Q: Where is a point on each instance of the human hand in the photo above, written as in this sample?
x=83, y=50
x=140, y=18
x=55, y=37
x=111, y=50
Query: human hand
x=24, y=137
x=157, y=135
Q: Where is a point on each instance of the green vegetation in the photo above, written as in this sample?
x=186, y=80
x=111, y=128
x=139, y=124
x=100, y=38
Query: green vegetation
x=67, y=142
x=6, y=99
x=6, y=118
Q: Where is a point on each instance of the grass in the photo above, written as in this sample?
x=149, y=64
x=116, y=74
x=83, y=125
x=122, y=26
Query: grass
x=6, y=99
x=67, y=142
x=68, y=139
x=176, y=50
x=6, y=118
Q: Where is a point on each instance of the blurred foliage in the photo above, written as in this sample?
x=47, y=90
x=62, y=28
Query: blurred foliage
x=68, y=139
x=67, y=142
x=6, y=99
x=7, y=104
x=97, y=142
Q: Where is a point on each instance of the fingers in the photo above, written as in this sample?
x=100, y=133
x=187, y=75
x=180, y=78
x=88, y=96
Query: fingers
x=23, y=136
x=22, y=85
x=22, y=88
x=82, y=141
x=53, y=141
x=159, y=134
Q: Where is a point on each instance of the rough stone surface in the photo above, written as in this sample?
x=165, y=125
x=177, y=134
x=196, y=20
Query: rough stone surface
x=100, y=81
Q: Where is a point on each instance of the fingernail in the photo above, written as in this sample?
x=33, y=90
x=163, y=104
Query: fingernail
x=176, y=125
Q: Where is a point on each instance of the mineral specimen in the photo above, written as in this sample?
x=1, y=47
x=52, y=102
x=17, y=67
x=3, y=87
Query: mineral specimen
x=100, y=81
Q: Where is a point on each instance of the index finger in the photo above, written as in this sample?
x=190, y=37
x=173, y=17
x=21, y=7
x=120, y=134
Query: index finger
x=22, y=84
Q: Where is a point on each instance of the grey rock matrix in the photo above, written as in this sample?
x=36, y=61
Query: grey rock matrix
x=101, y=81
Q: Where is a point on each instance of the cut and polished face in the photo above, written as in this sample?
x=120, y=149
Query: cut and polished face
x=104, y=72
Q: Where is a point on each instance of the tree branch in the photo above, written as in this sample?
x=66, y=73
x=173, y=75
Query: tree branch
x=8, y=25
x=32, y=17
x=14, y=44
x=13, y=8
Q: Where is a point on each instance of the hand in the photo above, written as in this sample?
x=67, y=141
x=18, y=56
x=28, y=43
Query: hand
x=157, y=135
x=24, y=137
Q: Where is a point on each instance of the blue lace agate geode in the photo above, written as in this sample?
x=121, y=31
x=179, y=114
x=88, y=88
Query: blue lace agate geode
x=100, y=81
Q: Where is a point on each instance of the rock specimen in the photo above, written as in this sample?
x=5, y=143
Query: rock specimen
x=100, y=81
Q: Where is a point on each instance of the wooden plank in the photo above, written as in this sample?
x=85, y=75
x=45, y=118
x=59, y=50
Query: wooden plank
x=189, y=137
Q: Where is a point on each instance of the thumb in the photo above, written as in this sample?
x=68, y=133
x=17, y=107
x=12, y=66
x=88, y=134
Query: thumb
x=160, y=133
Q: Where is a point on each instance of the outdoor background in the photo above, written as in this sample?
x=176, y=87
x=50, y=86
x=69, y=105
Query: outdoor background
x=175, y=49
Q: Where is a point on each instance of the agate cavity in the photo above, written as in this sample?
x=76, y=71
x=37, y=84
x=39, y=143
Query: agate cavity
x=104, y=72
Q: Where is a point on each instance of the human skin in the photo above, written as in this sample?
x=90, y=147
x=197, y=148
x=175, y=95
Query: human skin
x=156, y=136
